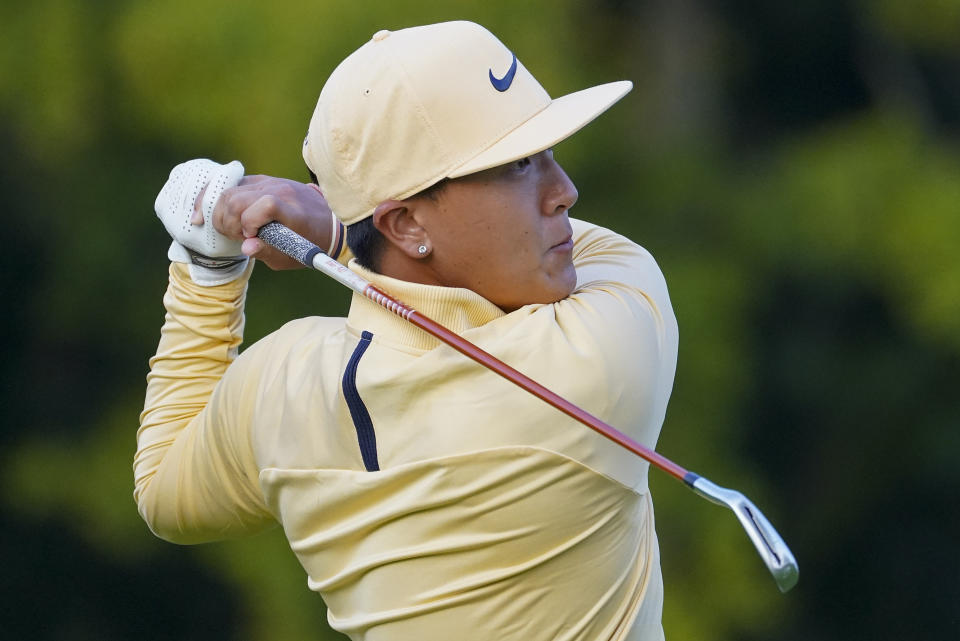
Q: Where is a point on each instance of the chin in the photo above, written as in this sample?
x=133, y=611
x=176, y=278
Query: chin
x=550, y=290
x=567, y=283
x=560, y=287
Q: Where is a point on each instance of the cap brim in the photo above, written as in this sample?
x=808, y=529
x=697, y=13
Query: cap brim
x=562, y=117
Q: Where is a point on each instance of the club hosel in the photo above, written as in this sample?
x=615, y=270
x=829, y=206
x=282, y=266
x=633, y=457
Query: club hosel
x=707, y=489
x=710, y=490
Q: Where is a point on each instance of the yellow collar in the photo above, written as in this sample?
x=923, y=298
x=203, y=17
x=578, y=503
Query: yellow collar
x=457, y=309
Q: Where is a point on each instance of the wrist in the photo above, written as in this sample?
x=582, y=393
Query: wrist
x=187, y=289
x=337, y=237
x=208, y=271
x=337, y=231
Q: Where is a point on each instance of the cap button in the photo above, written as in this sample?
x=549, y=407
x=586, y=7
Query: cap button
x=381, y=35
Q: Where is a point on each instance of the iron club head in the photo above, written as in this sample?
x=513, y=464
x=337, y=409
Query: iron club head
x=771, y=547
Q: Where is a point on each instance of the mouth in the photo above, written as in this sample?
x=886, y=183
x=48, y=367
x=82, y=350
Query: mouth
x=564, y=245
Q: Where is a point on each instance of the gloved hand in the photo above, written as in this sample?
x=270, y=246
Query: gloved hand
x=213, y=258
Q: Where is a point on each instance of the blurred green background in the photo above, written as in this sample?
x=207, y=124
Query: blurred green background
x=794, y=166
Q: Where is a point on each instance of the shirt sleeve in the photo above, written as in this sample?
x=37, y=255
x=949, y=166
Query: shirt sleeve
x=195, y=475
x=617, y=277
x=621, y=315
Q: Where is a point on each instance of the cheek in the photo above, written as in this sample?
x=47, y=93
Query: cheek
x=498, y=235
x=502, y=236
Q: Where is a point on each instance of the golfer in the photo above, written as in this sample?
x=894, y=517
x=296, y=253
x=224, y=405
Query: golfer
x=424, y=496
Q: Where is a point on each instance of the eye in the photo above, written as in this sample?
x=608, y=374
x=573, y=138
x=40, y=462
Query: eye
x=523, y=163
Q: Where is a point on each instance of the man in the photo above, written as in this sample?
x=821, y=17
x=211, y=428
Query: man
x=425, y=497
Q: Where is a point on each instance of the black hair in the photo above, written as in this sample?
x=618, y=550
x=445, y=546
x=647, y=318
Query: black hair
x=365, y=240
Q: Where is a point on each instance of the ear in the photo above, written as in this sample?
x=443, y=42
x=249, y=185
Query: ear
x=399, y=223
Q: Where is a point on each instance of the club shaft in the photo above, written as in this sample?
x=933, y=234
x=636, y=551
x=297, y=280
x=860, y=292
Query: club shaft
x=278, y=236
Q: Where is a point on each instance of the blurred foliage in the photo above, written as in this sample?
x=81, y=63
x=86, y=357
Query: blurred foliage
x=794, y=167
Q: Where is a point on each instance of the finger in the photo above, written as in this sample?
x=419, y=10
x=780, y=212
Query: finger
x=273, y=258
x=252, y=246
x=254, y=179
x=299, y=206
x=234, y=203
x=221, y=179
x=267, y=208
x=196, y=218
x=230, y=209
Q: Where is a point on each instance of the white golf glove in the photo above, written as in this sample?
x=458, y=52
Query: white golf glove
x=213, y=258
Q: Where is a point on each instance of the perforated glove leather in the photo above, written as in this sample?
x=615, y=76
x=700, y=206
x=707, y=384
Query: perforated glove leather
x=213, y=258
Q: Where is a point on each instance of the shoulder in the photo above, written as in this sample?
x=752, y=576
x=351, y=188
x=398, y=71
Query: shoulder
x=611, y=265
x=598, y=251
x=297, y=336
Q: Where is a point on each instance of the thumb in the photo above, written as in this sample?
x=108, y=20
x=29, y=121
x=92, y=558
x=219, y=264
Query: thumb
x=273, y=258
x=252, y=246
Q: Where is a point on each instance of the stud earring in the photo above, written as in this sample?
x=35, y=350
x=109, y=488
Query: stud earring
x=422, y=249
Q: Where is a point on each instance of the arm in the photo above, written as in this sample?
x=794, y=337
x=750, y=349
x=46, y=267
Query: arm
x=621, y=319
x=617, y=276
x=196, y=478
x=195, y=472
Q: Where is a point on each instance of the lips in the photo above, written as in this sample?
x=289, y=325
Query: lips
x=564, y=245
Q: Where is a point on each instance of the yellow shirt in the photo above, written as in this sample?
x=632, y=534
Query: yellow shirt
x=479, y=511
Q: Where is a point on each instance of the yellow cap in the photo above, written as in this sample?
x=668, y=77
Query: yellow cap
x=414, y=106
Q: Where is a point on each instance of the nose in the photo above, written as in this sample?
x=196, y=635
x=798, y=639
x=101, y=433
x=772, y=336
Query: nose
x=561, y=193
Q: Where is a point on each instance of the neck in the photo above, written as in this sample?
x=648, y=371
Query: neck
x=395, y=264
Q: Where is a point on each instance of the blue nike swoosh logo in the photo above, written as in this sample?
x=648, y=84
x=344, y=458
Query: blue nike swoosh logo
x=502, y=84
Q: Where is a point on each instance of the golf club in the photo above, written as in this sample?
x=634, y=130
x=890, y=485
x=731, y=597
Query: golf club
x=771, y=547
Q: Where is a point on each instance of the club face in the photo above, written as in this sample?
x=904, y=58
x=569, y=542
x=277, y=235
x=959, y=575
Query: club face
x=770, y=546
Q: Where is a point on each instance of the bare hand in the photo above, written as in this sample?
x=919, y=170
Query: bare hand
x=242, y=210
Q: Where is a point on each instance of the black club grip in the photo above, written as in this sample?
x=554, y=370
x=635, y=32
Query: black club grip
x=289, y=242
